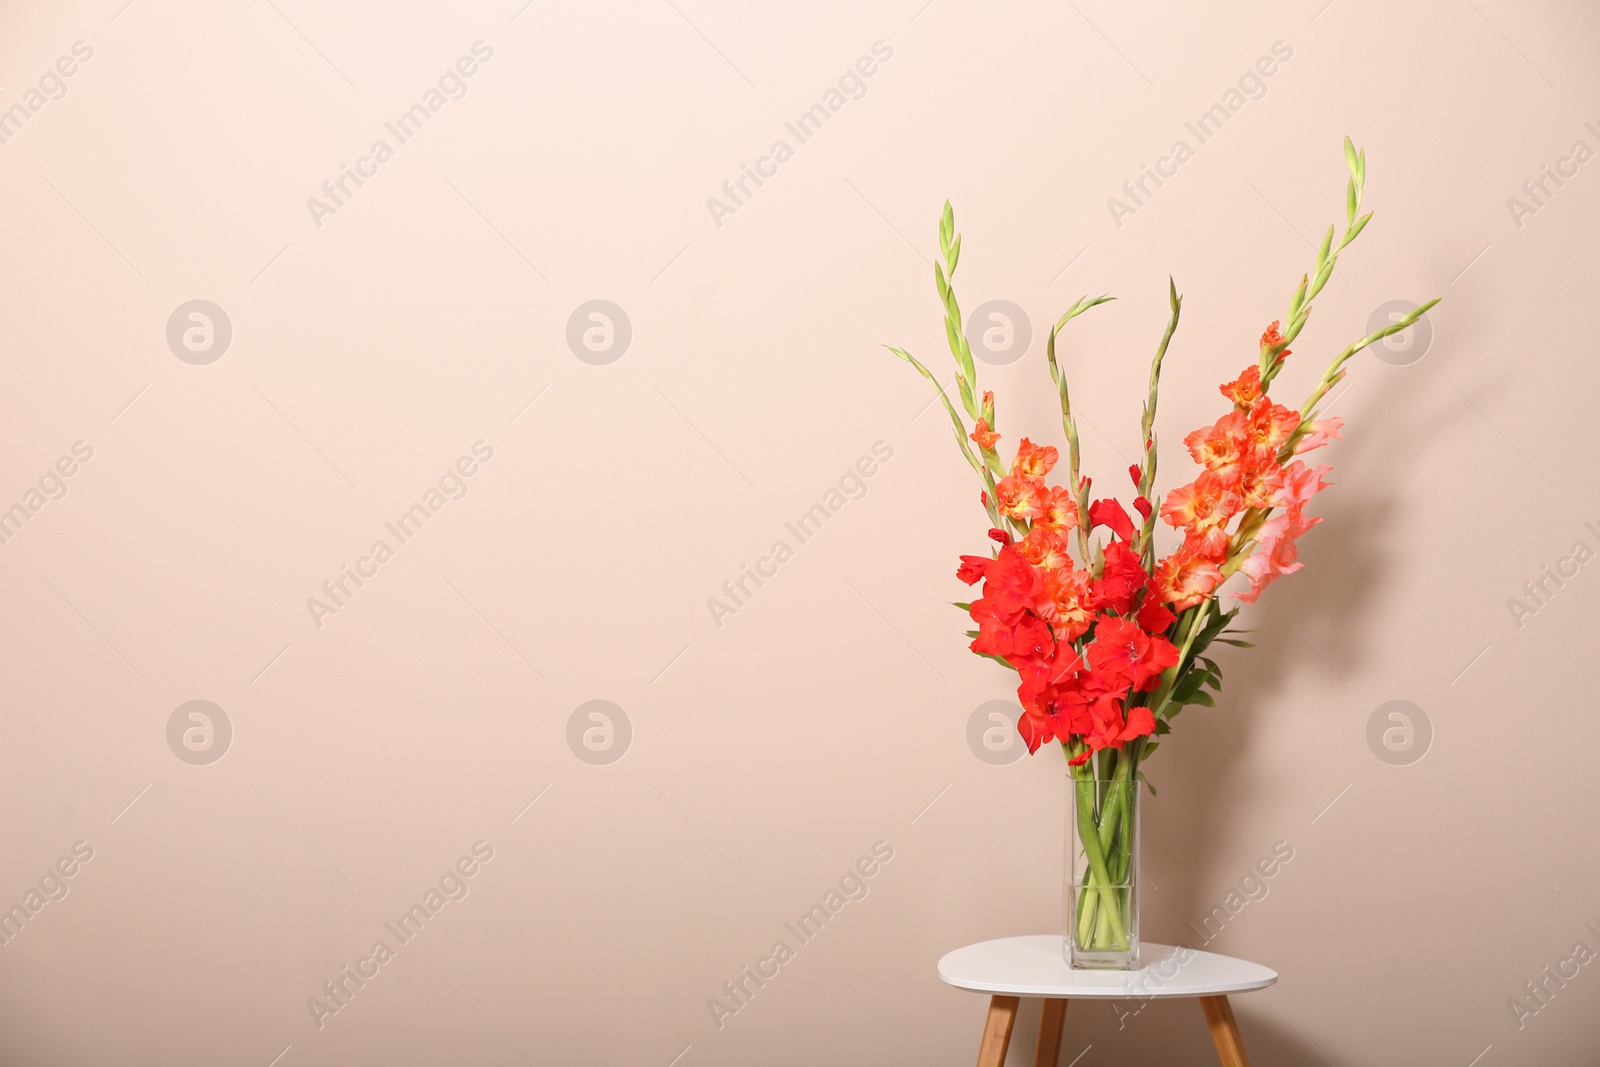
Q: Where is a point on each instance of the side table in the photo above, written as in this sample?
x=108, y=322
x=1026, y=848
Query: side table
x=1033, y=966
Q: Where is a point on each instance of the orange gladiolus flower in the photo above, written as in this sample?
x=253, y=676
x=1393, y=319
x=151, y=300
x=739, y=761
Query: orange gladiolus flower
x=1062, y=510
x=1184, y=580
x=1245, y=389
x=1271, y=338
x=984, y=436
x=1046, y=548
x=1021, y=497
x=1034, y=460
x=1272, y=424
x=1222, y=447
x=1261, y=481
x=1205, y=504
x=1065, y=603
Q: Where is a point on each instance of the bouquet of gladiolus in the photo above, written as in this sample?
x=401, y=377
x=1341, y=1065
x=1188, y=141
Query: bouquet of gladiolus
x=1109, y=646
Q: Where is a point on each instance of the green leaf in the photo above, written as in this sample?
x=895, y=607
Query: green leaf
x=958, y=604
x=1235, y=642
x=1355, y=231
x=1350, y=155
x=1299, y=299
x=955, y=255
x=1202, y=698
x=1323, y=275
x=1188, y=686
x=967, y=399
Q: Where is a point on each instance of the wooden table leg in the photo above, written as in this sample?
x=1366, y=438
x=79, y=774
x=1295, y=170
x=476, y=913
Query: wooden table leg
x=1050, y=1020
x=997, y=1031
x=1224, y=1031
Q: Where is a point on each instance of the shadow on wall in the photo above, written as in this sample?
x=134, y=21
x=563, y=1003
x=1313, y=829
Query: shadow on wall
x=1327, y=601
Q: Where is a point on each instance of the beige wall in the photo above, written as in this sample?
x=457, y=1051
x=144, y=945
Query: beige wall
x=376, y=344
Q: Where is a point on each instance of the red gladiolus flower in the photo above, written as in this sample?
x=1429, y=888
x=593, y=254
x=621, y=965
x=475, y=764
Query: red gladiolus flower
x=1092, y=706
x=1141, y=723
x=1110, y=514
x=1011, y=583
x=973, y=568
x=1120, y=645
x=1121, y=579
x=1006, y=628
x=1018, y=640
x=1095, y=709
x=1042, y=679
x=1154, y=616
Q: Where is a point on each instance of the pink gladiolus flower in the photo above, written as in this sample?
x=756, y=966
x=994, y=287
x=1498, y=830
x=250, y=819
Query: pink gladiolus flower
x=1275, y=553
x=1300, y=484
x=1322, y=431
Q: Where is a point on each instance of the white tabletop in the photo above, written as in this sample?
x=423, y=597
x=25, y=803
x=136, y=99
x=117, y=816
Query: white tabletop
x=1033, y=966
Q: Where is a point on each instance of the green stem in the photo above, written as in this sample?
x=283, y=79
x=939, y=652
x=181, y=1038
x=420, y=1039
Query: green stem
x=1190, y=627
x=1069, y=425
x=1143, y=542
x=1100, y=881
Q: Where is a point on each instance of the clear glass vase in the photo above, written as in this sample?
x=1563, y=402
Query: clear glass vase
x=1102, y=877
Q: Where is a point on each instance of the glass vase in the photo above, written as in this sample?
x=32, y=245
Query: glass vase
x=1102, y=874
